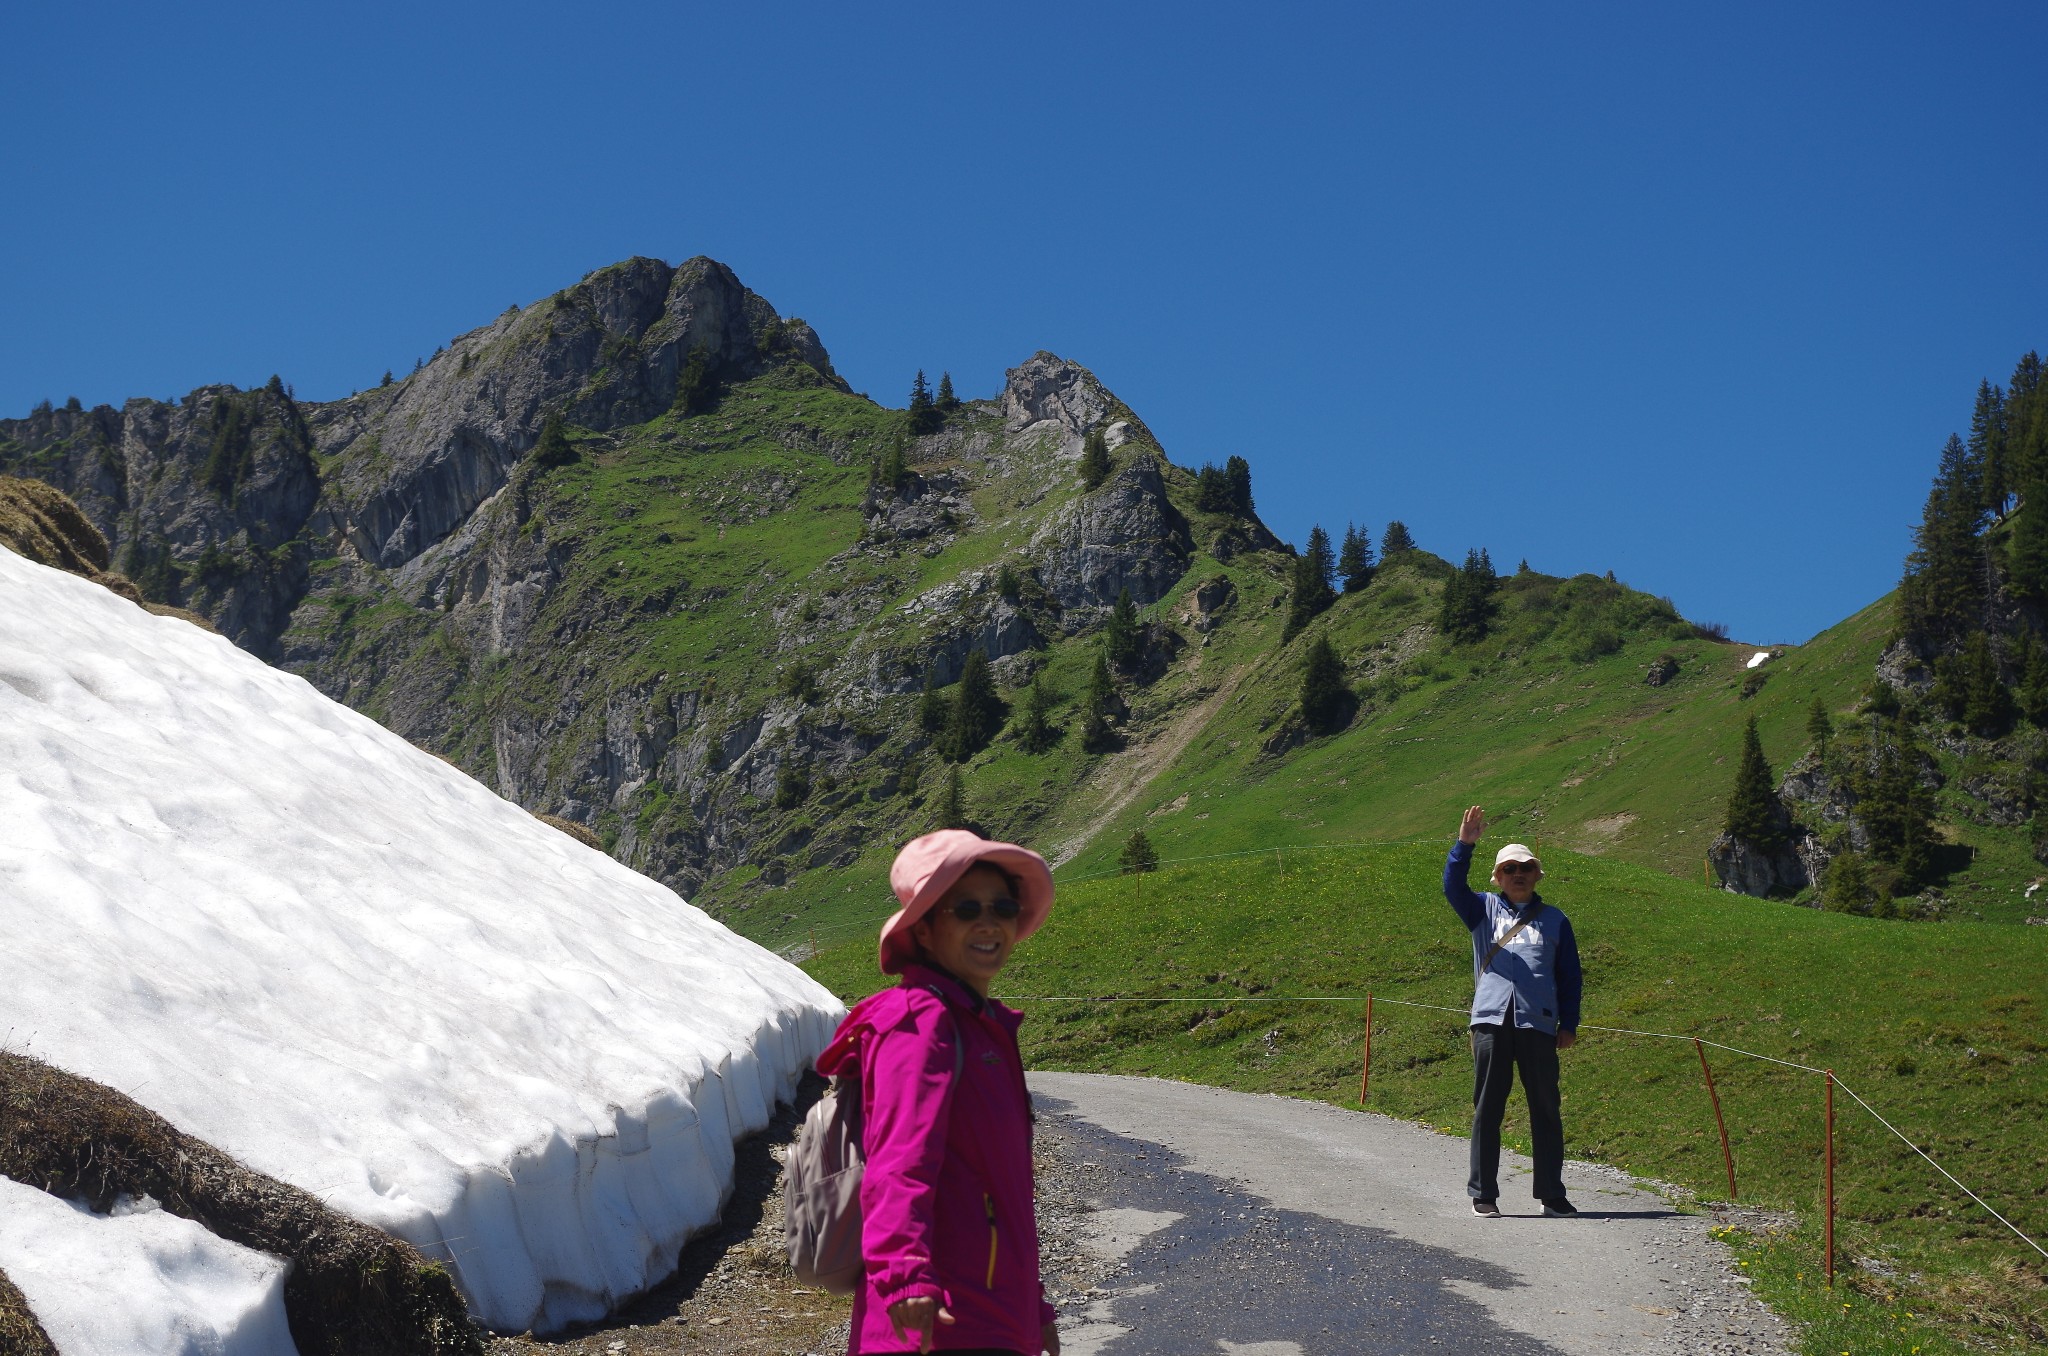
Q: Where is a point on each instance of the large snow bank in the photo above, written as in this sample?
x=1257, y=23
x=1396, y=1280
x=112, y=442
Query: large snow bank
x=139, y=1280
x=292, y=934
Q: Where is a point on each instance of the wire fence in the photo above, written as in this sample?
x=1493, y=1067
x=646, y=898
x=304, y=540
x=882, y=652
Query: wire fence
x=1368, y=999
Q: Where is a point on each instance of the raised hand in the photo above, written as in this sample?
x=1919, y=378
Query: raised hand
x=1473, y=825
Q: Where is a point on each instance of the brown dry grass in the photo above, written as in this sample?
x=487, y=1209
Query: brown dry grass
x=353, y=1290
x=40, y=522
x=573, y=829
x=20, y=1334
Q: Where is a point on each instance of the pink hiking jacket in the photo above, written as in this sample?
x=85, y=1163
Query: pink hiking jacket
x=946, y=1208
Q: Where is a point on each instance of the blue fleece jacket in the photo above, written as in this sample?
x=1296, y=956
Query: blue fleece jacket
x=1536, y=976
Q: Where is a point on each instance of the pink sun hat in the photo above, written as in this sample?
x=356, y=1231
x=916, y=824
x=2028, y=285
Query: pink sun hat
x=927, y=868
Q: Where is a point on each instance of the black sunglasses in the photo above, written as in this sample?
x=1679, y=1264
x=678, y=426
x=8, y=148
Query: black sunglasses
x=967, y=910
x=1516, y=868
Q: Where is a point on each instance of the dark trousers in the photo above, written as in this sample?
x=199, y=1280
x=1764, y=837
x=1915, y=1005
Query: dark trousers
x=1497, y=1051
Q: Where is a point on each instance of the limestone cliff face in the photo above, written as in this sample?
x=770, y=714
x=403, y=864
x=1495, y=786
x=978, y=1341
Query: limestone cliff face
x=405, y=551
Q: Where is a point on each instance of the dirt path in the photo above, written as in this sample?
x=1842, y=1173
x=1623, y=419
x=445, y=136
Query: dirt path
x=1124, y=774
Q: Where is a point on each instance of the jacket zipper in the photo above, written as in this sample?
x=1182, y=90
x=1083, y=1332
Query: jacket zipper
x=989, y=1204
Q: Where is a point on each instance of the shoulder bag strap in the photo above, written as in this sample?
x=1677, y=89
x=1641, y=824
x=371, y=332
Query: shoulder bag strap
x=1507, y=937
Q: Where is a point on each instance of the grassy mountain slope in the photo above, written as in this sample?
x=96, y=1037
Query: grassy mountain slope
x=1940, y=1027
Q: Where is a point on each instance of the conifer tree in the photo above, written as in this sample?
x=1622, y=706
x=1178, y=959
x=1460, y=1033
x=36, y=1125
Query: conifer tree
x=1987, y=447
x=924, y=416
x=977, y=712
x=1354, y=562
x=1987, y=704
x=1138, y=855
x=1467, y=606
x=1237, y=477
x=1212, y=490
x=1395, y=540
x=1123, y=636
x=1754, y=815
x=554, y=447
x=792, y=784
x=946, y=402
x=1896, y=811
x=1314, y=590
x=951, y=811
x=2033, y=693
x=931, y=706
x=1325, y=700
x=894, y=469
x=1035, y=733
x=1094, y=459
x=1095, y=730
x=696, y=385
x=1818, y=727
x=1845, y=886
x=1942, y=596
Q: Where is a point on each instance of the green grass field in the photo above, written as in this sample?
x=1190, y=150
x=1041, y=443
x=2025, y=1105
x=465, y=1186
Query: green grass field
x=1186, y=974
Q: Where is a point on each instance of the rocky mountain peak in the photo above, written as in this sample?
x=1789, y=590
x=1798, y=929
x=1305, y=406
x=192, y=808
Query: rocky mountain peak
x=1051, y=398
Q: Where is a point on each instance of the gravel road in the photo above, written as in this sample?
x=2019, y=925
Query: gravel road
x=1264, y=1226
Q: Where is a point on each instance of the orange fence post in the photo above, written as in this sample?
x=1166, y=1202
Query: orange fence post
x=1365, y=1073
x=1830, y=1240
x=1727, y=1158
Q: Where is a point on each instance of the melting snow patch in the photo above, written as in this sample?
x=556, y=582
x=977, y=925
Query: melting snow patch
x=139, y=1281
x=292, y=934
x=1759, y=658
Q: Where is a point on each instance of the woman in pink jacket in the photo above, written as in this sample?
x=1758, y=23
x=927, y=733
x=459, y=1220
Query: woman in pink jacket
x=948, y=1231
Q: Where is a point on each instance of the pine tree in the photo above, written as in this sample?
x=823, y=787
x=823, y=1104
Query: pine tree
x=946, y=402
x=2033, y=693
x=1354, y=562
x=1035, y=733
x=1212, y=490
x=1467, y=606
x=1754, y=814
x=932, y=706
x=1314, y=589
x=977, y=712
x=894, y=469
x=696, y=384
x=792, y=785
x=1942, y=596
x=1987, y=446
x=1123, y=636
x=1818, y=727
x=1987, y=704
x=1325, y=700
x=1395, y=540
x=554, y=448
x=1138, y=855
x=1237, y=476
x=1896, y=811
x=1845, y=887
x=1094, y=459
x=951, y=811
x=924, y=416
x=1096, y=733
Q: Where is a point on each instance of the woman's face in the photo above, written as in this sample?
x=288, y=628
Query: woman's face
x=974, y=950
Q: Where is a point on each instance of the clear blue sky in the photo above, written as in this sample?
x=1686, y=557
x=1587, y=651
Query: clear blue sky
x=1692, y=293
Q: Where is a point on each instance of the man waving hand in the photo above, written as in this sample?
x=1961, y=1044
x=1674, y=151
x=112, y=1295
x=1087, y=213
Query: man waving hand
x=1525, y=1008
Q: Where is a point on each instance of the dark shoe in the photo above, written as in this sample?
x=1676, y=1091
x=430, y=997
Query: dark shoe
x=1559, y=1206
x=1489, y=1209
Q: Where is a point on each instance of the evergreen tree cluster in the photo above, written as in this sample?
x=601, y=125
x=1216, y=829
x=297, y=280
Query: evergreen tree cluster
x=1354, y=559
x=963, y=725
x=1958, y=564
x=1123, y=636
x=1226, y=488
x=1315, y=583
x=925, y=415
x=1395, y=540
x=1094, y=465
x=1468, y=602
x=1326, y=701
